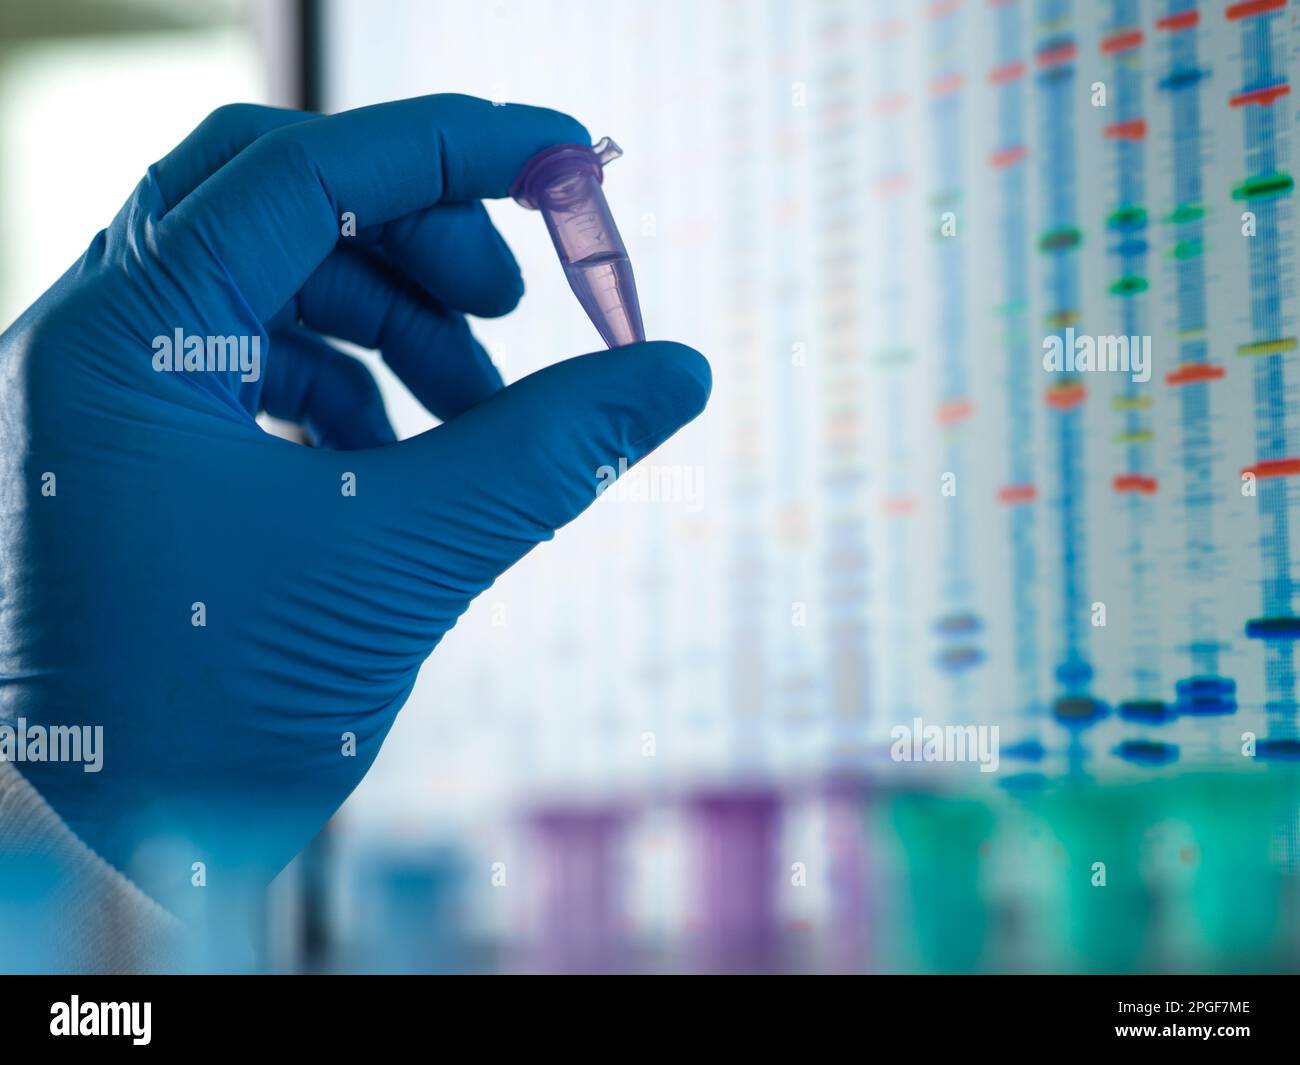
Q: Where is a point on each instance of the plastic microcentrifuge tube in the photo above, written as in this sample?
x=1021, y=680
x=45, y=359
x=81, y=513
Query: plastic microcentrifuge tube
x=563, y=182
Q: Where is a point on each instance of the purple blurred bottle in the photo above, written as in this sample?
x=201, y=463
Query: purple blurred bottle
x=737, y=836
x=563, y=182
x=580, y=887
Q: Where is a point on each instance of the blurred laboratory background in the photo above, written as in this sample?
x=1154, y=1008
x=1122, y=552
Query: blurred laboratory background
x=669, y=740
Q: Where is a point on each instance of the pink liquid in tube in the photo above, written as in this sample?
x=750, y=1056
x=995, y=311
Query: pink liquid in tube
x=563, y=182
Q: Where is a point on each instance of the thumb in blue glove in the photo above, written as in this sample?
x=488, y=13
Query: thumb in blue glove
x=245, y=616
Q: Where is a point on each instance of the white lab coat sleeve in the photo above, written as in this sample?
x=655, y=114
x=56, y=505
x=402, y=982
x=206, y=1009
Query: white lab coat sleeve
x=62, y=907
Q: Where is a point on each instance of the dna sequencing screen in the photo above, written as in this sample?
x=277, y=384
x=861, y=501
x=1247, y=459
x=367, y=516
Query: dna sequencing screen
x=1000, y=300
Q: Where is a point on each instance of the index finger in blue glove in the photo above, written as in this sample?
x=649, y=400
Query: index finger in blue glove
x=451, y=250
x=215, y=141
x=272, y=214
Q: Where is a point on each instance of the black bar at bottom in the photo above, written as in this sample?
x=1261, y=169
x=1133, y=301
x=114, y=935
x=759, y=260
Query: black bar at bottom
x=357, y=1012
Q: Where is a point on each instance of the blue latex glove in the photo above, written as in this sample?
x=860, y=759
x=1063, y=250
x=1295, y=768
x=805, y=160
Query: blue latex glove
x=226, y=743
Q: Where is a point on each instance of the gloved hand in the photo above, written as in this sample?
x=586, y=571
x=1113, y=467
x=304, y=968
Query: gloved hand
x=131, y=495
